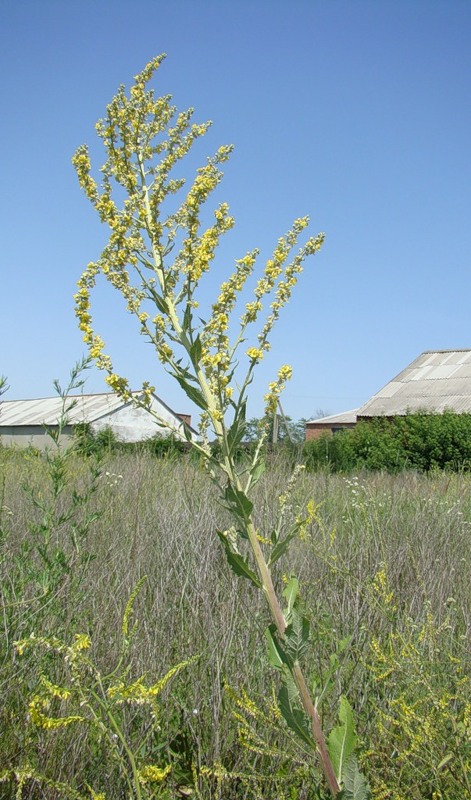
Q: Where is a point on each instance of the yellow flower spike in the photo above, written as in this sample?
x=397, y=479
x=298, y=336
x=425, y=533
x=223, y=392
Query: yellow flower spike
x=55, y=691
x=153, y=774
x=129, y=605
x=118, y=384
x=81, y=642
x=38, y=706
x=275, y=388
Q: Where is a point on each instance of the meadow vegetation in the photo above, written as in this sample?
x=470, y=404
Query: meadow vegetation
x=384, y=567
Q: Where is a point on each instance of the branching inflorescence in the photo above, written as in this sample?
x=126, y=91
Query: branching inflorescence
x=157, y=253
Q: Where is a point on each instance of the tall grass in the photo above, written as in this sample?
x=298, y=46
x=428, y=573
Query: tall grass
x=384, y=557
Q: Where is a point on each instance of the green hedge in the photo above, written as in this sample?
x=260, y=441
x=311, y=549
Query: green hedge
x=419, y=441
x=88, y=442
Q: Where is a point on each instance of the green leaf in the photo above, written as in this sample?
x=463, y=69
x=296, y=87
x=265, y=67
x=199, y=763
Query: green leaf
x=195, y=351
x=342, y=740
x=187, y=318
x=194, y=394
x=236, y=432
x=160, y=303
x=444, y=761
x=237, y=563
x=187, y=432
x=290, y=594
x=294, y=717
x=355, y=785
x=257, y=470
x=296, y=637
x=276, y=655
x=281, y=548
x=238, y=502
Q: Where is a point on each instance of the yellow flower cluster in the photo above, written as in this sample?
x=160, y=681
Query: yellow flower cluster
x=380, y=585
x=37, y=708
x=251, y=312
x=200, y=256
x=55, y=691
x=81, y=162
x=138, y=692
x=275, y=389
x=255, y=354
x=96, y=346
x=147, y=393
x=119, y=385
x=164, y=352
x=82, y=301
x=274, y=269
x=216, y=350
x=153, y=774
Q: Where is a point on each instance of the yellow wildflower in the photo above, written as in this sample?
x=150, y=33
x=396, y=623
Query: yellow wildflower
x=254, y=353
x=153, y=774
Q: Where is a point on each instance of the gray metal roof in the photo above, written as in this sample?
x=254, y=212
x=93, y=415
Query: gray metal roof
x=46, y=411
x=437, y=380
x=345, y=418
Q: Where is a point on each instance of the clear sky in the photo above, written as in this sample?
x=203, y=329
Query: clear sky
x=357, y=113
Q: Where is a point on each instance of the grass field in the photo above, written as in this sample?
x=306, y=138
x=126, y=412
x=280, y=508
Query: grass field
x=384, y=568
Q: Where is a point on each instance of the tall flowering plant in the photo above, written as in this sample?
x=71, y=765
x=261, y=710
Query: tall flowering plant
x=158, y=251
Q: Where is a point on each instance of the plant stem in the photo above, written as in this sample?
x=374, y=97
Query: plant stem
x=296, y=671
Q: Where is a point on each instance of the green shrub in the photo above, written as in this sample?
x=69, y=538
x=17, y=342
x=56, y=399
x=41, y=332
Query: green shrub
x=420, y=441
x=165, y=446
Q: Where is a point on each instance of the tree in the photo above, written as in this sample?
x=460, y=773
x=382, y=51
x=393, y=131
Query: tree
x=285, y=430
x=3, y=387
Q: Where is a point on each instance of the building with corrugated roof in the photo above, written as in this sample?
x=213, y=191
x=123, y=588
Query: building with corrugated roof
x=25, y=422
x=436, y=381
x=331, y=424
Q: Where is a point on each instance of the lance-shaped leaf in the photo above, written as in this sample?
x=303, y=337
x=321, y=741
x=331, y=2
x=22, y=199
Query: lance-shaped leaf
x=236, y=432
x=281, y=546
x=187, y=319
x=257, y=470
x=294, y=717
x=195, y=351
x=276, y=654
x=238, y=502
x=238, y=563
x=160, y=302
x=290, y=593
x=342, y=740
x=192, y=392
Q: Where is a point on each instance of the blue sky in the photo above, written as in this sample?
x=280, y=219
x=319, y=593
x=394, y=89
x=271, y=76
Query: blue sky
x=356, y=113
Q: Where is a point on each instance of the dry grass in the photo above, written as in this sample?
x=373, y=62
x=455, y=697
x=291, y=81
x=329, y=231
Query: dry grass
x=158, y=518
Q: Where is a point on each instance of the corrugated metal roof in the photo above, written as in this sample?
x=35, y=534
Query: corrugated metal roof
x=46, y=411
x=436, y=381
x=346, y=417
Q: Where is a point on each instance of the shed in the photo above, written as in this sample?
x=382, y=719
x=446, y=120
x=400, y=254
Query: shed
x=23, y=422
x=331, y=424
x=436, y=381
